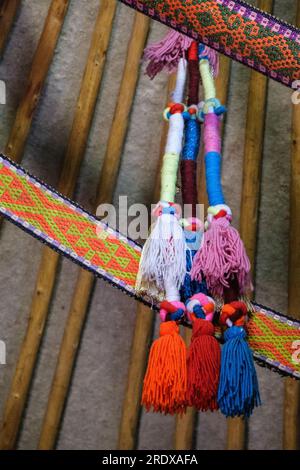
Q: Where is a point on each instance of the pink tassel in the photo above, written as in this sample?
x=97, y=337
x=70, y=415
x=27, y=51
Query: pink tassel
x=221, y=257
x=166, y=53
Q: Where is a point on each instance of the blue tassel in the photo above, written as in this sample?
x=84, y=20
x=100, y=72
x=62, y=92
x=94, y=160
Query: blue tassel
x=189, y=286
x=238, y=392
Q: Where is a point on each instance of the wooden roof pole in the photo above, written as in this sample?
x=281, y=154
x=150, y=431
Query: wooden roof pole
x=291, y=437
x=85, y=281
x=185, y=425
x=142, y=336
x=253, y=153
x=39, y=70
x=47, y=271
x=8, y=11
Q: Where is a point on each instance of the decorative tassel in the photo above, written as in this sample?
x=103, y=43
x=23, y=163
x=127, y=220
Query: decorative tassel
x=165, y=381
x=238, y=392
x=164, y=252
x=163, y=266
x=203, y=363
x=222, y=256
x=167, y=53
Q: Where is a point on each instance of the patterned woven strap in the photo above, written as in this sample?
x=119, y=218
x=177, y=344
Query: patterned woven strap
x=236, y=29
x=75, y=233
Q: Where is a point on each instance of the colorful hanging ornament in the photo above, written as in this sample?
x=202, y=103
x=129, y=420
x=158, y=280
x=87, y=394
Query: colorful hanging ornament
x=203, y=362
x=238, y=392
x=163, y=263
x=222, y=259
x=193, y=227
x=163, y=266
x=223, y=263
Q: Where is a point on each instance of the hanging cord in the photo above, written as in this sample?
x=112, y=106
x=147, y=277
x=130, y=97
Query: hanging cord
x=163, y=264
x=192, y=135
x=203, y=358
x=222, y=258
x=223, y=262
x=193, y=227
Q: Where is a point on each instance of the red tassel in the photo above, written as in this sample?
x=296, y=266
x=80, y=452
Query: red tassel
x=166, y=377
x=203, y=367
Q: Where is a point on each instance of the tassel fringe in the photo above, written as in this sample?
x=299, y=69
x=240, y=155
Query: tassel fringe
x=238, y=389
x=167, y=53
x=221, y=257
x=165, y=381
x=203, y=366
x=163, y=255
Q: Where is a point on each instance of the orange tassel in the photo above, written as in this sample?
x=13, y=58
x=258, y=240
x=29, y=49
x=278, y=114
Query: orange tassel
x=165, y=381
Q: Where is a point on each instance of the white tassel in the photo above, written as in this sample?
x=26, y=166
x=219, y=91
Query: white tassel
x=164, y=254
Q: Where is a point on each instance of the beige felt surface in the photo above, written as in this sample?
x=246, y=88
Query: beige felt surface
x=93, y=410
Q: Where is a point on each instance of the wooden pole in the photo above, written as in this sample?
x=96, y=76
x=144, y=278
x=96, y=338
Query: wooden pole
x=119, y=126
x=47, y=271
x=142, y=336
x=292, y=388
x=66, y=359
x=83, y=289
x=253, y=152
x=8, y=11
x=185, y=425
x=39, y=70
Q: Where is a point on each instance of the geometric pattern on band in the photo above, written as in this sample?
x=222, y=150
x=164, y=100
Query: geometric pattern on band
x=66, y=227
x=75, y=233
x=275, y=339
x=234, y=28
